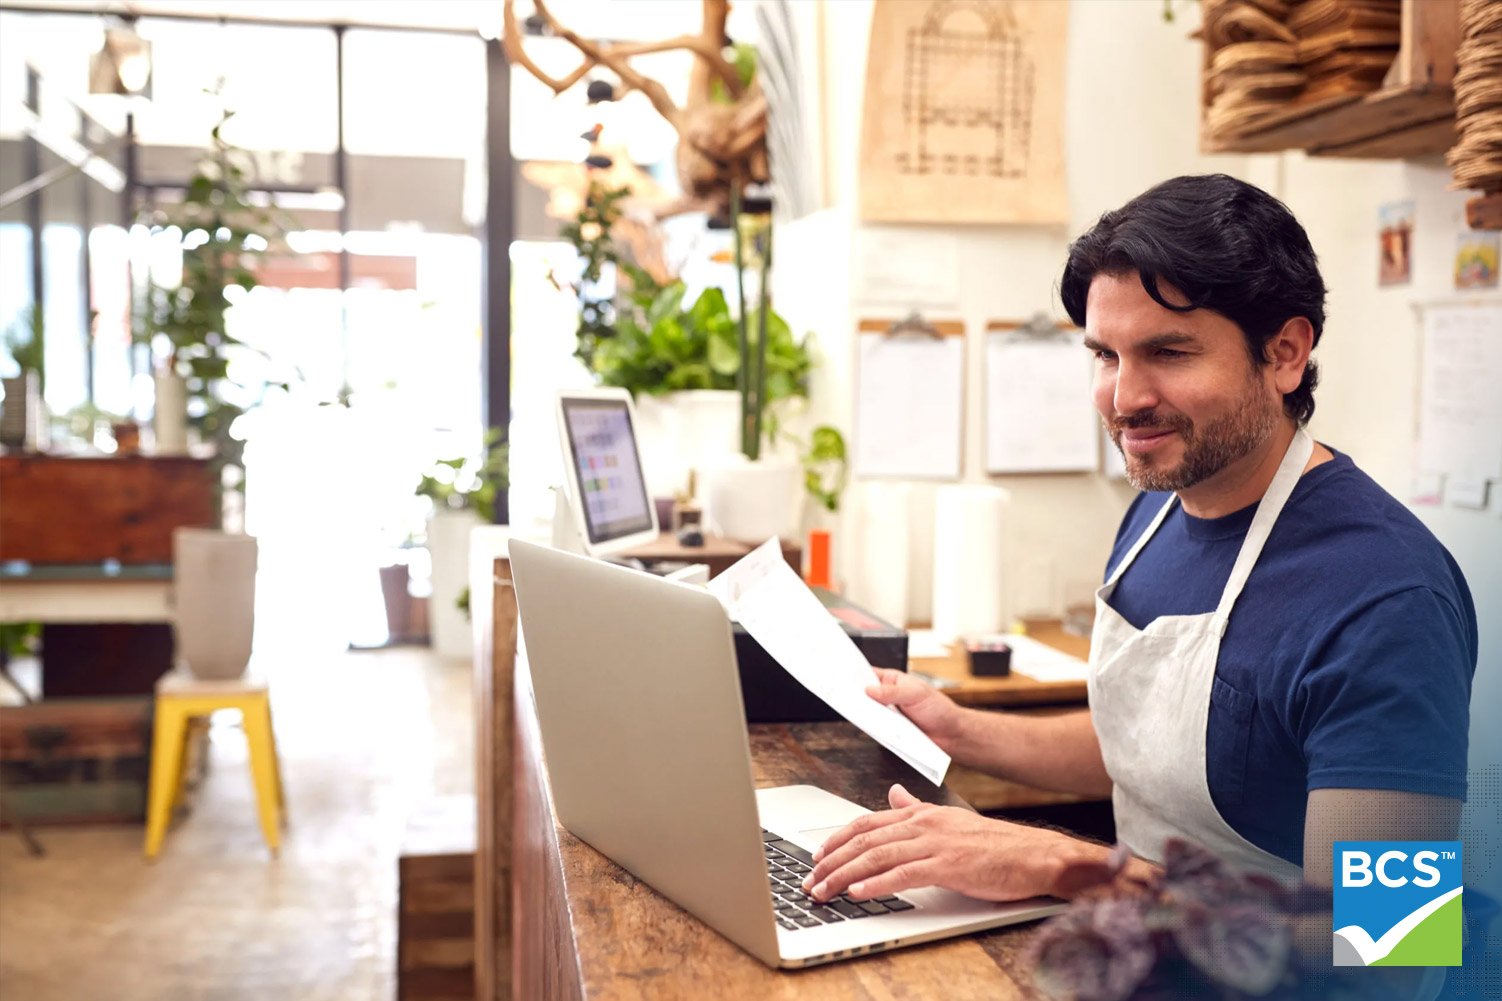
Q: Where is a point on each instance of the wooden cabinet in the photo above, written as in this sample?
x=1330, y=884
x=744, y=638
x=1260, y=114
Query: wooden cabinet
x=56, y=509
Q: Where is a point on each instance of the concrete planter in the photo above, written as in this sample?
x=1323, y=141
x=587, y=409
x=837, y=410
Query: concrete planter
x=448, y=545
x=23, y=423
x=214, y=590
x=679, y=432
x=753, y=501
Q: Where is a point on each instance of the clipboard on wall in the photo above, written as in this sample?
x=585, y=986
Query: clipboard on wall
x=909, y=398
x=1039, y=417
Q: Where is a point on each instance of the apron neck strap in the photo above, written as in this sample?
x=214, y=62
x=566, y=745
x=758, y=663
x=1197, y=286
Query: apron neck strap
x=1268, y=509
x=1142, y=540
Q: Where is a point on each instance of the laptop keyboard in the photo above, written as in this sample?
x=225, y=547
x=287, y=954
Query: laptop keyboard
x=787, y=867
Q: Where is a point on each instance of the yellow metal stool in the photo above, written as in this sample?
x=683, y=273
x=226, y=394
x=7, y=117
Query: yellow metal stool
x=180, y=699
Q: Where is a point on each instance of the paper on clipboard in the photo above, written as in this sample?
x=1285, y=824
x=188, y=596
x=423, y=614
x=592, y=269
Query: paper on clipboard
x=1039, y=418
x=1460, y=410
x=909, y=409
x=763, y=594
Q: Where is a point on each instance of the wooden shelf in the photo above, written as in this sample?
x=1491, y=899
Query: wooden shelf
x=1395, y=122
x=1413, y=114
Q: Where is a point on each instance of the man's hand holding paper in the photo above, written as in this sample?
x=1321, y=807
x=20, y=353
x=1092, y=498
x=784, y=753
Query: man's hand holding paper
x=767, y=598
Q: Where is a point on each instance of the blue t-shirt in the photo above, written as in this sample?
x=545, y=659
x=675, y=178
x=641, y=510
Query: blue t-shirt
x=1348, y=659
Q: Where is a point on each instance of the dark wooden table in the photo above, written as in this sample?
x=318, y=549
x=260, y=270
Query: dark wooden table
x=586, y=929
x=1013, y=690
x=718, y=553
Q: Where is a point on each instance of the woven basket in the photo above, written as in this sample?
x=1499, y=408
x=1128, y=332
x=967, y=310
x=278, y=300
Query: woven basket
x=1476, y=158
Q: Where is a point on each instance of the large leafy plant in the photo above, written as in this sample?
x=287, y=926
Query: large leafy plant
x=646, y=340
x=658, y=346
x=224, y=233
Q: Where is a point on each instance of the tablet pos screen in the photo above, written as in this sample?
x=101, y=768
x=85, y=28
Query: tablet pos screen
x=602, y=447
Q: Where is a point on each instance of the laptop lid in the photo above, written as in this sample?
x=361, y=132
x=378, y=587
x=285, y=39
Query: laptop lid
x=639, y=708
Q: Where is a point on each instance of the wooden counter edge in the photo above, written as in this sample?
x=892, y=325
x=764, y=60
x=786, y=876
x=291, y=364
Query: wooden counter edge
x=495, y=633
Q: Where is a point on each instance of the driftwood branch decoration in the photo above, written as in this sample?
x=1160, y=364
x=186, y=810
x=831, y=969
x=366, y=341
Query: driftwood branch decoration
x=722, y=131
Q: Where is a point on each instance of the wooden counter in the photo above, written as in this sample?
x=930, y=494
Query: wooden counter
x=554, y=919
x=585, y=929
x=1014, y=689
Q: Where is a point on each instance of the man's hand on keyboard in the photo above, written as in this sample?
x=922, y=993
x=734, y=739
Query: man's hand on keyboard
x=917, y=844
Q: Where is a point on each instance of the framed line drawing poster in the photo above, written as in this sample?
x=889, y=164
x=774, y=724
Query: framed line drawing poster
x=964, y=112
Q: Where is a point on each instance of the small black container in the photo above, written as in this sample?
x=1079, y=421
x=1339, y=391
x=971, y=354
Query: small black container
x=989, y=660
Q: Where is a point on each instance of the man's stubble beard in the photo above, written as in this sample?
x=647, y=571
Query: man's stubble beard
x=1207, y=449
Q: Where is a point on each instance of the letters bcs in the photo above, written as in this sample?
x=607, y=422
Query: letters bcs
x=1356, y=868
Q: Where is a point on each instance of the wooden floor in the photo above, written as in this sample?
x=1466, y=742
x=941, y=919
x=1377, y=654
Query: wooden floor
x=366, y=738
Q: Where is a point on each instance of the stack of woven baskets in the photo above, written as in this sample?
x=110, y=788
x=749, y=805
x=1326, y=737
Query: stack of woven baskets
x=1267, y=54
x=1254, y=63
x=1346, y=46
x=1476, y=159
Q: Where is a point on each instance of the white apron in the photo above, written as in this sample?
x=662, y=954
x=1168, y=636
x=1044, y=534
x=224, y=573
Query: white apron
x=1150, y=701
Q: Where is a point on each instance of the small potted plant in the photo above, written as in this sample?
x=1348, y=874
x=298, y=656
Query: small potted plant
x=463, y=493
x=23, y=423
x=224, y=233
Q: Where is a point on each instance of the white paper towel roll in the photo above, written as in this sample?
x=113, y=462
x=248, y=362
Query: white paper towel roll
x=969, y=520
x=880, y=583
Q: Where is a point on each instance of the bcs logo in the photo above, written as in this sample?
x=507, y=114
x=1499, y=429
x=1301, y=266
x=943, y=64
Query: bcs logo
x=1397, y=903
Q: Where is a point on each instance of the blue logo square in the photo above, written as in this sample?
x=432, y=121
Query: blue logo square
x=1397, y=903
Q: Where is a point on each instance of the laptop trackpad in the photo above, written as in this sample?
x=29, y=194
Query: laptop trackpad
x=807, y=810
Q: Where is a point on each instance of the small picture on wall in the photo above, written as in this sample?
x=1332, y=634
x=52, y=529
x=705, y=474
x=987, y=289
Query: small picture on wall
x=1476, y=255
x=1395, y=243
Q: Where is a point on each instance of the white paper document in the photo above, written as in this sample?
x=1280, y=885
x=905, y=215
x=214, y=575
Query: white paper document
x=768, y=599
x=909, y=406
x=1038, y=413
x=1460, y=410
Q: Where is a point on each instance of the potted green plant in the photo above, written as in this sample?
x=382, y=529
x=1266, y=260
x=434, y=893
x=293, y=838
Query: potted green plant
x=463, y=492
x=759, y=492
x=707, y=379
x=23, y=423
x=678, y=356
x=223, y=233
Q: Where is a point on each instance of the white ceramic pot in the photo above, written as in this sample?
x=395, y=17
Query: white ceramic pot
x=23, y=420
x=448, y=545
x=689, y=430
x=169, y=417
x=214, y=595
x=753, y=501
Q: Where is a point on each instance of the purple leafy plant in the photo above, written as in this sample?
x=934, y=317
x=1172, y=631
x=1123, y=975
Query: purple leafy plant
x=1194, y=928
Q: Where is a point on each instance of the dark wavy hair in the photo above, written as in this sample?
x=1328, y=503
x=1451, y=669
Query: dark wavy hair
x=1227, y=246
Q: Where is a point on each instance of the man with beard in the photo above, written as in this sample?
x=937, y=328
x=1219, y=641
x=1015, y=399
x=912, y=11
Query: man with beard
x=1282, y=653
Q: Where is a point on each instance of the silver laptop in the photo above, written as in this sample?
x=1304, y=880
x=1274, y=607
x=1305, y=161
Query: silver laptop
x=644, y=733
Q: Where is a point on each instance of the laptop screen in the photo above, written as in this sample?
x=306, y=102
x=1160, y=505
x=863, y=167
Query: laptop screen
x=602, y=446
